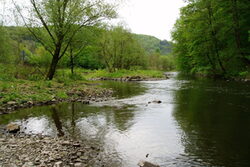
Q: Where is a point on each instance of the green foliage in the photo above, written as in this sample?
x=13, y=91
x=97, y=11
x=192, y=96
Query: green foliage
x=244, y=73
x=120, y=50
x=151, y=44
x=211, y=37
x=40, y=57
x=61, y=95
x=5, y=46
x=167, y=63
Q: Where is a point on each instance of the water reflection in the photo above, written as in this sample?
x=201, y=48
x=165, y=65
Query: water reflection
x=214, y=117
x=125, y=89
x=57, y=121
x=72, y=119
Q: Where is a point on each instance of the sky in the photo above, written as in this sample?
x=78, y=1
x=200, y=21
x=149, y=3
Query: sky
x=151, y=17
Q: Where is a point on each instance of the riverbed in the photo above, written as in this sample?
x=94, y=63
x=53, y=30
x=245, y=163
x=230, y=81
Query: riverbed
x=199, y=122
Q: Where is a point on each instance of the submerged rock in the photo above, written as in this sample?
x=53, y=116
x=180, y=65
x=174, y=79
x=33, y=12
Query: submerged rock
x=155, y=101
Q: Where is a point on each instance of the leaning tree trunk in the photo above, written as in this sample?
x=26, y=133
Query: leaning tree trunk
x=55, y=60
x=52, y=68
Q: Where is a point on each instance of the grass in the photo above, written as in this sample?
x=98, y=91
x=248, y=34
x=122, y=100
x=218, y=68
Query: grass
x=22, y=91
x=25, y=83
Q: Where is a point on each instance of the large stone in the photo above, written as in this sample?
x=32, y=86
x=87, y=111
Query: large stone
x=12, y=103
x=12, y=128
x=147, y=164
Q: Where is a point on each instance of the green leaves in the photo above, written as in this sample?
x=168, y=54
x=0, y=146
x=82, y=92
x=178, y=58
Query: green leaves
x=210, y=38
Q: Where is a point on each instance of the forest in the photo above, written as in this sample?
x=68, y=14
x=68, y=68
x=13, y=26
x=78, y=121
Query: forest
x=212, y=38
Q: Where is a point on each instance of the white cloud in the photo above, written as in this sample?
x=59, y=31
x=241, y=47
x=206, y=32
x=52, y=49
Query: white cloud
x=151, y=17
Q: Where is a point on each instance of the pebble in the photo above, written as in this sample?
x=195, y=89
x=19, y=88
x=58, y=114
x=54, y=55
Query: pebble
x=12, y=128
x=29, y=151
x=79, y=165
x=58, y=164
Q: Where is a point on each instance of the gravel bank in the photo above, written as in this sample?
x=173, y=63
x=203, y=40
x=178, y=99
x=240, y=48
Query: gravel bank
x=42, y=151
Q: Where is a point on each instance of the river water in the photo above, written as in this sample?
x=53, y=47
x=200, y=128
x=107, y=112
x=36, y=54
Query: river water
x=200, y=122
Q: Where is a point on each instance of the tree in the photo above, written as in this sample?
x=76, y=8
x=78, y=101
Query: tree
x=211, y=37
x=85, y=38
x=120, y=50
x=54, y=23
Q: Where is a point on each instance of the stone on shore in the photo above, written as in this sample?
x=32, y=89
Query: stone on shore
x=12, y=128
x=58, y=164
x=44, y=151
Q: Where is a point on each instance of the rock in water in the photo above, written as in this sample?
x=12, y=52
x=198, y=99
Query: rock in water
x=147, y=164
x=157, y=101
x=12, y=128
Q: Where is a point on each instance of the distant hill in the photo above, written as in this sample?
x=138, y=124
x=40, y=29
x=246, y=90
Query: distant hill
x=152, y=44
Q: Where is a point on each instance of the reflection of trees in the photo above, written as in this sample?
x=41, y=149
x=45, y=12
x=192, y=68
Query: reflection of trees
x=66, y=116
x=215, y=128
x=121, y=117
x=73, y=121
x=124, y=90
x=57, y=121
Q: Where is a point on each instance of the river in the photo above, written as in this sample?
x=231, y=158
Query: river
x=200, y=122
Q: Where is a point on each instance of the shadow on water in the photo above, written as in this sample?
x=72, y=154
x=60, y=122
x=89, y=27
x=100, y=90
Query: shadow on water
x=214, y=118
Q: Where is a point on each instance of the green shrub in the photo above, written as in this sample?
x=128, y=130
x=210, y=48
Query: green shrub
x=61, y=95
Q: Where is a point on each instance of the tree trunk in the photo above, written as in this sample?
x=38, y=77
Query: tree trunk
x=55, y=60
x=236, y=27
x=52, y=68
x=214, y=38
x=71, y=61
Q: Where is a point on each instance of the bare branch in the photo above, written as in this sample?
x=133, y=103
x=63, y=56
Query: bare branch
x=30, y=29
x=33, y=2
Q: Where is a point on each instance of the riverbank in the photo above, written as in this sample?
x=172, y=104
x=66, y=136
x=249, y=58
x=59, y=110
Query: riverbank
x=32, y=90
x=125, y=75
x=24, y=94
x=43, y=151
